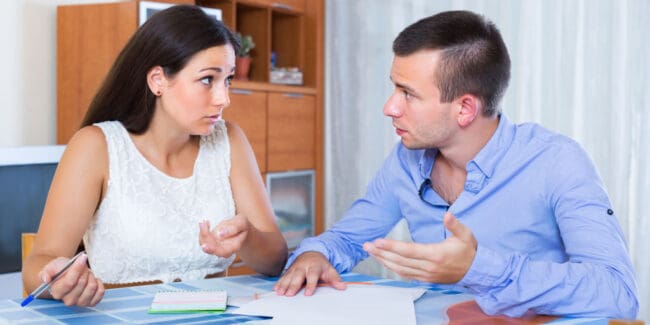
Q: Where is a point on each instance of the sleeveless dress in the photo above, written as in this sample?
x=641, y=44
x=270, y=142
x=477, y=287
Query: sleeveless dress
x=147, y=225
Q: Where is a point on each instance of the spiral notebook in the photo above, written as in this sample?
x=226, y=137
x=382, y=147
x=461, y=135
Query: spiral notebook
x=189, y=301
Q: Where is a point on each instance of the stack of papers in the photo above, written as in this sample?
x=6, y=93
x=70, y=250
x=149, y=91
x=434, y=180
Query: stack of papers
x=358, y=304
x=189, y=301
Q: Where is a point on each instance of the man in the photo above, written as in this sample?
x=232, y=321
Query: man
x=514, y=214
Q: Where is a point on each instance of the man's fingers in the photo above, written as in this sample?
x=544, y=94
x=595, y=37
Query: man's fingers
x=296, y=282
x=332, y=277
x=458, y=229
x=395, y=249
x=312, y=277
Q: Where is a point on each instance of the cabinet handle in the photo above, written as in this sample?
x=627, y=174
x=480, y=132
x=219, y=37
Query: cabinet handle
x=241, y=91
x=292, y=95
x=281, y=6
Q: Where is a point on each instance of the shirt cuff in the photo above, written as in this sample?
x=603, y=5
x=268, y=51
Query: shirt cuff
x=307, y=245
x=485, y=272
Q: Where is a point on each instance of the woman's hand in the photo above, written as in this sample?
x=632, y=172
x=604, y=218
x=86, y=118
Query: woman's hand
x=226, y=238
x=77, y=286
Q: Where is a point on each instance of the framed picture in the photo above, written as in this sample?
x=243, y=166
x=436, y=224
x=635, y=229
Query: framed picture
x=148, y=8
x=292, y=198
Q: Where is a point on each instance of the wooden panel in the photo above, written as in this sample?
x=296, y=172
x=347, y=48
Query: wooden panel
x=293, y=5
x=291, y=135
x=314, y=43
x=314, y=76
x=285, y=5
x=227, y=10
x=89, y=37
x=278, y=88
x=287, y=40
x=248, y=109
x=255, y=21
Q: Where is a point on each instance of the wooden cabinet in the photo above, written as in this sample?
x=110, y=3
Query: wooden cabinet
x=89, y=37
x=291, y=138
x=283, y=123
x=248, y=110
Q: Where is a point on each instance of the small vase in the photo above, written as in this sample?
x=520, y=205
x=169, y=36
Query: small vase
x=242, y=67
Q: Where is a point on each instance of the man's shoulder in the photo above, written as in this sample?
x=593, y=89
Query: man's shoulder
x=536, y=135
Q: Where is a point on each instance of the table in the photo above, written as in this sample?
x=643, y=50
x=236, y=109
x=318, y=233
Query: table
x=130, y=305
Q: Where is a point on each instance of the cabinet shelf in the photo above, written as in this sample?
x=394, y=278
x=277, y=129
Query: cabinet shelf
x=265, y=86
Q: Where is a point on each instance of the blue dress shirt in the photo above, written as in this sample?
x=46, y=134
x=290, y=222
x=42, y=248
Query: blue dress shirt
x=548, y=239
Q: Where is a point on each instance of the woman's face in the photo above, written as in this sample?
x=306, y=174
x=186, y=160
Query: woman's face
x=196, y=96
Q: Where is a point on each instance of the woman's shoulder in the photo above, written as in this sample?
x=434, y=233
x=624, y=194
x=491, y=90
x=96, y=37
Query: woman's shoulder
x=233, y=130
x=86, y=150
x=90, y=137
x=225, y=132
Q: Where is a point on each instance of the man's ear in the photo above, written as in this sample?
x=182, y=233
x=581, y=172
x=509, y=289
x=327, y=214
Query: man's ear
x=470, y=108
x=156, y=80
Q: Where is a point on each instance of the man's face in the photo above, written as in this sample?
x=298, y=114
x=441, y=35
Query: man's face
x=419, y=117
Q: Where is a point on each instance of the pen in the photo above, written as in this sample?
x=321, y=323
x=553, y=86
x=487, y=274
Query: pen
x=46, y=286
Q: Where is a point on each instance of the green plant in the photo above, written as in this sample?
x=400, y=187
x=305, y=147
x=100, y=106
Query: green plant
x=246, y=44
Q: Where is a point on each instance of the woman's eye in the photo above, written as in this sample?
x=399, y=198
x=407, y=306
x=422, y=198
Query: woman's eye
x=229, y=81
x=206, y=80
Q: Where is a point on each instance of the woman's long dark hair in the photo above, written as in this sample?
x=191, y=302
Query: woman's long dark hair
x=168, y=39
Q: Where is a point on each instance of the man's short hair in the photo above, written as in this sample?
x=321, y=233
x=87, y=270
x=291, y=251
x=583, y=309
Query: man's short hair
x=474, y=59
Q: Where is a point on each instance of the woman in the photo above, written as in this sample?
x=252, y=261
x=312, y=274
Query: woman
x=152, y=167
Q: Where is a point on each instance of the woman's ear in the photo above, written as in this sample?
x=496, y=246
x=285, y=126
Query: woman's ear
x=156, y=80
x=470, y=108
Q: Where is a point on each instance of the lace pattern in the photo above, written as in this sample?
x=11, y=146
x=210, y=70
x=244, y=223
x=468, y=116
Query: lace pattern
x=146, y=227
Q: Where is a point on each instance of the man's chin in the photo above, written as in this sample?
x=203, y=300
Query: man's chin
x=412, y=146
x=409, y=145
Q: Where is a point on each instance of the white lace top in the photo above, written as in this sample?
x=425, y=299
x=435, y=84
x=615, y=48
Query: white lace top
x=147, y=225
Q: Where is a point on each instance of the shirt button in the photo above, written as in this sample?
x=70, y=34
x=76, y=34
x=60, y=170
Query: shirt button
x=610, y=211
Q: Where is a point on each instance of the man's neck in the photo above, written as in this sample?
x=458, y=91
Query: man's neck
x=470, y=141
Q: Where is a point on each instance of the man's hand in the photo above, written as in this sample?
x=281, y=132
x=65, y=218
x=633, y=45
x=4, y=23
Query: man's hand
x=226, y=238
x=77, y=286
x=310, y=267
x=445, y=262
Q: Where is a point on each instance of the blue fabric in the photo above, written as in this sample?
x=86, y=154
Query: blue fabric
x=548, y=239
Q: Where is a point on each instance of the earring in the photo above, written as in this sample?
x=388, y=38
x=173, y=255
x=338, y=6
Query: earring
x=158, y=93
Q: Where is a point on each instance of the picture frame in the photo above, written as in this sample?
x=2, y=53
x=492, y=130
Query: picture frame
x=292, y=198
x=147, y=8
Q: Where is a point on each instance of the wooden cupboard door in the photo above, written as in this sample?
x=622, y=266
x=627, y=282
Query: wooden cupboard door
x=291, y=131
x=89, y=38
x=248, y=109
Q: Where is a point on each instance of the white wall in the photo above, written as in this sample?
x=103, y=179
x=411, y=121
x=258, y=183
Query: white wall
x=28, y=78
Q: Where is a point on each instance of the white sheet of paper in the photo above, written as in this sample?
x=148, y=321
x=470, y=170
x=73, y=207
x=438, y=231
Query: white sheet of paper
x=358, y=304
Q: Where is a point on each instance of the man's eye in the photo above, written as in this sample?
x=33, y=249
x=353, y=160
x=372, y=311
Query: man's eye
x=407, y=95
x=206, y=80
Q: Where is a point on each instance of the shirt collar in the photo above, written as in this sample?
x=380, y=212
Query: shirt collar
x=489, y=156
x=482, y=166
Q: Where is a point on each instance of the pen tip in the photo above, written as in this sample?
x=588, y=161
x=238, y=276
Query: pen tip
x=26, y=301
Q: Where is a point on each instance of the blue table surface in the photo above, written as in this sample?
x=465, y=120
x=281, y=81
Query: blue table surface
x=130, y=305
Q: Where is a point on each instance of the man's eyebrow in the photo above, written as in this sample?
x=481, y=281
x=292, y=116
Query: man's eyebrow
x=403, y=86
